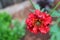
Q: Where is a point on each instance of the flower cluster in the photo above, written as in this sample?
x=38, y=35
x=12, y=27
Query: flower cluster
x=38, y=22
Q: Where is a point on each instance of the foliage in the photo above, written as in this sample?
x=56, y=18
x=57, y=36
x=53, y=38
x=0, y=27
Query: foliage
x=55, y=31
x=19, y=28
x=5, y=20
x=10, y=33
x=55, y=14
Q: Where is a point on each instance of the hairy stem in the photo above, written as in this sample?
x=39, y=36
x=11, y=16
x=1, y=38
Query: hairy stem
x=55, y=8
x=32, y=3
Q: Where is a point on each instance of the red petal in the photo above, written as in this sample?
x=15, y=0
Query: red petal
x=35, y=30
x=31, y=15
x=44, y=30
x=38, y=12
x=47, y=20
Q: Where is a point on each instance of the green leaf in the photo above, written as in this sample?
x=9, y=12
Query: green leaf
x=58, y=10
x=19, y=28
x=7, y=33
x=23, y=23
x=58, y=36
x=5, y=19
x=43, y=10
x=55, y=14
x=58, y=20
x=54, y=28
x=36, y=6
x=53, y=37
x=55, y=31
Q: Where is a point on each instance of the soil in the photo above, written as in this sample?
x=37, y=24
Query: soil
x=39, y=36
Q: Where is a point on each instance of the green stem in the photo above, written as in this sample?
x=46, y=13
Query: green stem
x=55, y=8
x=32, y=3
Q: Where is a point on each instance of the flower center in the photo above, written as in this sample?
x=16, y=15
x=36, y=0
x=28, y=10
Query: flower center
x=38, y=23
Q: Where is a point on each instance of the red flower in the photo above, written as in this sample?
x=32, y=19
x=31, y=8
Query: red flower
x=38, y=22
